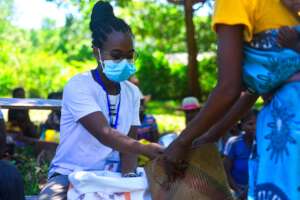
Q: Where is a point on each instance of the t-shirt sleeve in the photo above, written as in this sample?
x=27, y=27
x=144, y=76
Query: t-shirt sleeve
x=229, y=148
x=79, y=100
x=136, y=108
x=234, y=12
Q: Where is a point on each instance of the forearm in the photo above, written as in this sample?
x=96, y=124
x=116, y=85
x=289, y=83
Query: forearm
x=97, y=125
x=129, y=161
x=228, y=90
x=122, y=143
x=216, y=107
x=241, y=107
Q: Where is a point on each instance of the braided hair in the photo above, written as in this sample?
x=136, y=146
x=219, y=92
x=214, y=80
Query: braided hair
x=103, y=22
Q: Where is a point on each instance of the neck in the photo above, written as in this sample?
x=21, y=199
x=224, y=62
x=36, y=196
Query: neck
x=112, y=87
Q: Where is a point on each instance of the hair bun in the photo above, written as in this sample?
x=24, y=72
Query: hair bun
x=101, y=12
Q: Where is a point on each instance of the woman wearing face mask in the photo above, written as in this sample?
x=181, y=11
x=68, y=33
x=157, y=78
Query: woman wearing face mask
x=100, y=109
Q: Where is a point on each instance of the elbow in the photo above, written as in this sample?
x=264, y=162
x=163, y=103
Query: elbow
x=104, y=135
x=229, y=92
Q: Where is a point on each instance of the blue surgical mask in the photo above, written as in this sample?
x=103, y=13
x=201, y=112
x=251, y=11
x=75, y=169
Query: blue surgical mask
x=118, y=71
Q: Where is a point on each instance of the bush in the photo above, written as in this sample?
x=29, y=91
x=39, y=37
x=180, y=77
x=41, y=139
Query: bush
x=164, y=81
x=155, y=75
x=34, y=173
x=208, y=79
x=41, y=73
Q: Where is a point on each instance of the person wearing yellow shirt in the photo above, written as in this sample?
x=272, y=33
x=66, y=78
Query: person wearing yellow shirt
x=239, y=25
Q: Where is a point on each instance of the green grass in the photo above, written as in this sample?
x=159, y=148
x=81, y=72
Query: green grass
x=168, y=116
x=164, y=107
x=170, y=123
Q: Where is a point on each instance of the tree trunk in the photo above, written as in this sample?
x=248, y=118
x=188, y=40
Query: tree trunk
x=193, y=73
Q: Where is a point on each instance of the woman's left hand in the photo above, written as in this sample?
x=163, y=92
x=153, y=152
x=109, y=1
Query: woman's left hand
x=175, y=160
x=153, y=150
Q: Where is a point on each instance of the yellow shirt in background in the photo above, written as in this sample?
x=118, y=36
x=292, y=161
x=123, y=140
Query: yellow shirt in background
x=255, y=15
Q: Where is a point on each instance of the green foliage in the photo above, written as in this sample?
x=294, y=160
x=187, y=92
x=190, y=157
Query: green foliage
x=206, y=38
x=43, y=60
x=208, y=70
x=167, y=114
x=33, y=173
x=156, y=76
x=164, y=81
x=170, y=123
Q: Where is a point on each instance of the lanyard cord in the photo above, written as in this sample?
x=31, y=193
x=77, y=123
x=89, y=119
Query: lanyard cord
x=100, y=82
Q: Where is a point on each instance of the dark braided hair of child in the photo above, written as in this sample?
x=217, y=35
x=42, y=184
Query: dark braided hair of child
x=103, y=22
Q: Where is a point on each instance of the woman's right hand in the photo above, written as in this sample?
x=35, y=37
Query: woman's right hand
x=152, y=150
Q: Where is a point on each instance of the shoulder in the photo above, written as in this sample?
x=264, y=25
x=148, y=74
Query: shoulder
x=79, y=81
x=230, y=146
x=132, y=89
x=235, y=12
x=78, y=85
x=235, y=140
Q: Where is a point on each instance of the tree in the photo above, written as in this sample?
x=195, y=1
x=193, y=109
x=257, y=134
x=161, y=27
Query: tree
x=193, y=73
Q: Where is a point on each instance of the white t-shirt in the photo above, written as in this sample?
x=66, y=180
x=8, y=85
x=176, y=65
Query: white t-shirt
x=78, y=149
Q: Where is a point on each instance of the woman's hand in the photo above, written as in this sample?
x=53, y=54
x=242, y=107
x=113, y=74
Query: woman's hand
x=174, y=160
x=152, y=150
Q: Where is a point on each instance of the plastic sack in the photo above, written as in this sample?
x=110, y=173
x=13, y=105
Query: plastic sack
x=106, y=185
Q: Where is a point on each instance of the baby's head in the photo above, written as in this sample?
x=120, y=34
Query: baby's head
x=293, y=6
x=248, y=122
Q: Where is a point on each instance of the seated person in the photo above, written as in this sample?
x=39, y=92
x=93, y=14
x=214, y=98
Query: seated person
x=148, y=129
x=53, y=121
x=11, y=183
x=50, y=129
x=134, y=79
x=147, y=132
x=237, y=152
x=234, y=131
x=190, y=106
x=19, y=120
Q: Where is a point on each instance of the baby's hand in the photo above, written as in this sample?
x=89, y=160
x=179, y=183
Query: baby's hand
x=288, y=38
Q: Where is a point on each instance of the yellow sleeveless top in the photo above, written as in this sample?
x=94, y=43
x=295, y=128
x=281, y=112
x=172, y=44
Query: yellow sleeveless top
x=256, y=15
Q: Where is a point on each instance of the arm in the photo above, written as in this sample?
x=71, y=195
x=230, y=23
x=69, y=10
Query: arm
x=241, y=107
x=228, y=167
x=129, y=161
x=98, y=126
x=228, y=89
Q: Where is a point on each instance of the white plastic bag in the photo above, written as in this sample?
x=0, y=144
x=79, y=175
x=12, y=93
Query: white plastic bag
x=106, y=185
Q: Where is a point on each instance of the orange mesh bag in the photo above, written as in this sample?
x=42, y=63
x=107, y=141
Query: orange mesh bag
x=204, y=178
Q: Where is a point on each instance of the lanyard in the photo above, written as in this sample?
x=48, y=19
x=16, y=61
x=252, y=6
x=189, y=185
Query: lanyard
x=100, y=82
